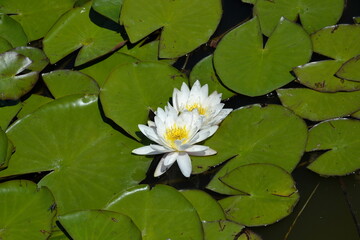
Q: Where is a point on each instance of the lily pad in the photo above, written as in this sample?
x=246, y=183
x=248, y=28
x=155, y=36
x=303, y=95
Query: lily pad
x=61, y=137
x=108, y=8
x=340, y=139
x=269, y=194
x=92, y=40
x=13, y=84
x=7, y=113
x=204, y=72
x=3, y=147
x=320, y=76
x=356, y=115
x=36, y=55
x=99, y=224
x=4, y=45
x=350, y=69
x=356, y=20
x=133, y=98
x=184, y=26
x=317, y=106
x=254, y=134
x=32, y=104
x=160, y=212
x=66, y=82
x=36, y=17
x=26, y=210
x=245, y=66
x=12, y=31
x=249, y=235
x=313, y=14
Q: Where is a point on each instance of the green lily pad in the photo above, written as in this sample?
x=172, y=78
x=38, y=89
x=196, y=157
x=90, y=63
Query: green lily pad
x=254, y=134
x=99, y=224
x=36, y=17
x=9, y=151
x=317, y=106
x=356, y=115
x=133, y=98
x=245, y=66
x=341, y=140
x=204, y=72
x=222, y=229
x=66, y=82
x=7, y=113
x=3, y=147
x=313, y=14
x=184, y=26
x=32, y=104
x=4, y=45
x=13, y=84
x=26, y=210
x=356, y=20
x=101, y=70
x=93, y=40
x=36, y=55
x=12, y=31
x=249, y=235
x=350, y=69
x=160, y=212
x=108, y=8
x=270, y=194
x=320, y=76
x=61, y=137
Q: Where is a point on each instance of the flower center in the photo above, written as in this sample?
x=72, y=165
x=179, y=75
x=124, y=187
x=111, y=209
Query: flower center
x=200, y=109
x=176, y=133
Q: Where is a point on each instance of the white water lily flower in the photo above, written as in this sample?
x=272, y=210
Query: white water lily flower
x=209, y=106
x=176, y=135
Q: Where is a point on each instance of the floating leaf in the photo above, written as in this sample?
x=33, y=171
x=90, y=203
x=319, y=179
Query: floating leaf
x=160, y=212
x=249, y=235
x=13, y=85
x=356, y=20
x=356, y=115
x=36, y=17
x=270, y=194
x=4, y=45
x=317, y=106
x=350, y=69
x=222, y=229
x=247, y=68
x=93, y=40
x=26, y=210
x=7, y=113
x=69, y=138
x=254, y=134
x=313, y=14
x=12, y=31
x=320, y=76
x=66, y=82
x=3, y=147
x=133, y=98
x=33, y=103
x=99, y=224
x=205, y=72
x=185, y=26
x=38, y=58
x=341, y=140
x=108, y=8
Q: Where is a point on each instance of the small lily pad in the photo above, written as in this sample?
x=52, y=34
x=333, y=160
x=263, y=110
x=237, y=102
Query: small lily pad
x=133, y=98
x=184, y=26
x=38, y=58
x=204, y=72
x=67, y=82
x=99, y=224
x=26, y=210
x=160, y=212
x=350, y=69
x=12, y=31
x=340, y=139
x=269, y=194
x=93, y=40
x=317, y=106
x=33, y=103
x=13, y=84
x=108, y=8
x=245, y=66
x=7, y=113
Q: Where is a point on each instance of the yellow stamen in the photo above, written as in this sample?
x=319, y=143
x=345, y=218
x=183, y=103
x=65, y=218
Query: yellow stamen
x=176, y=133
x=200, y=109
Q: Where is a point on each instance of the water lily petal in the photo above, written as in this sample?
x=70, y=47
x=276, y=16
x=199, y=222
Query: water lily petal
x=160, y=148
x=170, y=158
x=146, y=150
x=196, y=148
x=184, y=163
x=207, y=152
x=204, y=134
x=161, y=168
x=149, y=133
x=220, y=116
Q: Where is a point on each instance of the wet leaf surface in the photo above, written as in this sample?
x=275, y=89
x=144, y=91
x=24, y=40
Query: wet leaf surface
x=38, y=58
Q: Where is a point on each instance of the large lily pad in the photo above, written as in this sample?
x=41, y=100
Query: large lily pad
x=350, y=69
x=38, y=58
x=184, y=26
x=313, y=14
x=160, y=212
x=108, y=8
x=32, y=104
x=254, y=134
x=66, y=82
x=245, y=66
x=12, y=31
x=93, y=40
x=317, y=106
x=7, y=113
x=36, y=17
x=269, y=194
x=99, y=224
x=13, y=84
x=121, y=97
x=26, y=210
x=88, y=159
x=204, y=72
x=341, y=140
